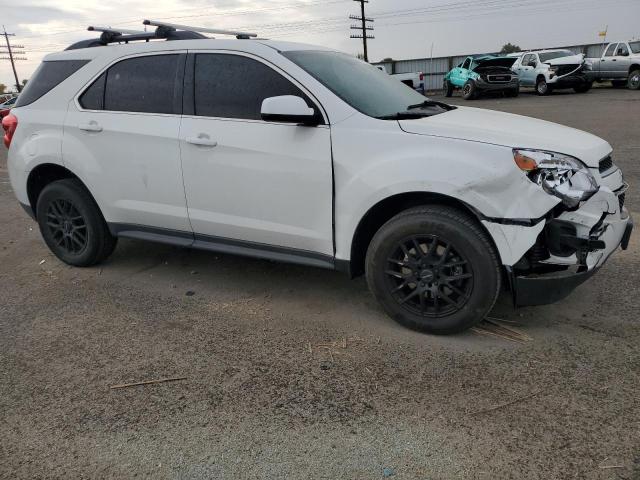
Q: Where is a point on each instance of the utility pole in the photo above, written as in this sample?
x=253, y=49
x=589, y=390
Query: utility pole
x=11, y=56
x=363, y=26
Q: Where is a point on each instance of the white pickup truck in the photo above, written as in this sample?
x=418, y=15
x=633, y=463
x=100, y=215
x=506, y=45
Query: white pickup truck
x=414, y=80
x=620, y=64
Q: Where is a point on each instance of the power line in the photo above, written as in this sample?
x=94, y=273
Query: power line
x=11, y=57
x=364, y=26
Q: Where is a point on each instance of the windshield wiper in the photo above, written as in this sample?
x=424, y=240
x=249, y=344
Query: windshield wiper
x=404, y=116
x=431, y=103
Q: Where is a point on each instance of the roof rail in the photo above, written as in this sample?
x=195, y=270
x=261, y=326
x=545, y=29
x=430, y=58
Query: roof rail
x=167, y=31
x=175, y=26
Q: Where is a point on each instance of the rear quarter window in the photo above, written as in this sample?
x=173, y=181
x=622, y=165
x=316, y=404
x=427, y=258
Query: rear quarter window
x=48, y=75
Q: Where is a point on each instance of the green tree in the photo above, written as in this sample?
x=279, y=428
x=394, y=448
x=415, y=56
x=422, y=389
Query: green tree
x=24, y=82
x=509, y=48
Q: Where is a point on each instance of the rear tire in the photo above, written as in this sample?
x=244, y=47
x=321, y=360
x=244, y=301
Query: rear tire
x=72, y=225
x=469, y=90
x=434, y=269
x=634, y=80
x=584, y=88
x=542, y=87
x=448, y=88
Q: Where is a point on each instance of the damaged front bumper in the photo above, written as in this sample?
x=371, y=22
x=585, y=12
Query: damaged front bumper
x=571, y=247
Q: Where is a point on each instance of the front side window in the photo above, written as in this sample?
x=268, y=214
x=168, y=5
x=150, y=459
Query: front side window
x=526, y=61
x=635, y=47
x=233, y=86
x=467, y=63
x=141, y=84
x=49, y=75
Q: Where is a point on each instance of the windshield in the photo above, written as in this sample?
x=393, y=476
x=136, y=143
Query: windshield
x=545, y=57
x=635, y=47
x=359, y=84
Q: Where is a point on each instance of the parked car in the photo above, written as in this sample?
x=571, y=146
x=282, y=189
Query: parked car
x=548, y=70
x=414, y=81
x=620, y=63
x=486, y=73
x=6, y=107
x=299, y=153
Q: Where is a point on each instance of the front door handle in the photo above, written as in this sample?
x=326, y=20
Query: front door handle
x=92, y=126
x=202, y=140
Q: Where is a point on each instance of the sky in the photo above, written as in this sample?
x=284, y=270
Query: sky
x=403, y=28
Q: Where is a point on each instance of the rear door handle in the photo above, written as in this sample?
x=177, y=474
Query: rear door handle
x=202, y=140
x=92, y=126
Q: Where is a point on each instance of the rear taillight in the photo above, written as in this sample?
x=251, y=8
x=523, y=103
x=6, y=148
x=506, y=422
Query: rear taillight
x=9, y=125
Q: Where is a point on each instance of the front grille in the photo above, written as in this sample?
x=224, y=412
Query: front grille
x=499, y=78
x=565, y=69
x=605, y=164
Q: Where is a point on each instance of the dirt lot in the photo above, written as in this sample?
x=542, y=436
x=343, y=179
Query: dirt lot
x=263, y=399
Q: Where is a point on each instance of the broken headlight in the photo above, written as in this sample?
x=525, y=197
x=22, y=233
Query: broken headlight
x=560, y=175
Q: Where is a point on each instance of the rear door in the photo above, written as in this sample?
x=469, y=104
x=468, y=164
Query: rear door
x=252, y=184
x=621, y=61
x=121, y=133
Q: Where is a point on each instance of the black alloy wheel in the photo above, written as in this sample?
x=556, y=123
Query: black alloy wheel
x=72, y=224
x=67, y=226
x=428, y=276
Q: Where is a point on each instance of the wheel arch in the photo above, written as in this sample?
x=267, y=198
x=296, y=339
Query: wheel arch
x=385, y=209
x=634, y=67
x=44, y=174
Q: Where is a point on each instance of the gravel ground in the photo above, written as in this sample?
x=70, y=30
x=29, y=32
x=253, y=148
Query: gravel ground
x=263, y=398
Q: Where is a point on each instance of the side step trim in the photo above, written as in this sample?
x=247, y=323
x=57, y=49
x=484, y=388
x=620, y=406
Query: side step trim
x=223, y=245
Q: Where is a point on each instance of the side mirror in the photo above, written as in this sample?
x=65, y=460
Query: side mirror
x=288, y=109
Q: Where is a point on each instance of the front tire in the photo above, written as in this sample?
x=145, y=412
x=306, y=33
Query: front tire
x=634, y=80
x=542, y=87
x=470, y=90
x=72, y=225
x=434, y=269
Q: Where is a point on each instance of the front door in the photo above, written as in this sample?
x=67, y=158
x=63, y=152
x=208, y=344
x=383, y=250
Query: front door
x=251, y=183
x=526, y=70
x=122, y=138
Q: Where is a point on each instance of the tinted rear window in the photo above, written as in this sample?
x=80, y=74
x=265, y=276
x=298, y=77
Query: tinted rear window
x=142, y=84
x=48, y=75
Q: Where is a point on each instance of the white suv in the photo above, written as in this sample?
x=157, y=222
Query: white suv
x=302, y=154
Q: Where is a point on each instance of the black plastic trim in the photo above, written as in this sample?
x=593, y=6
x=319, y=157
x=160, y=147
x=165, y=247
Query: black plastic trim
x=523, y=222
x=179, y=84
x=544, y=290
x=188, y=98
x=224, y=245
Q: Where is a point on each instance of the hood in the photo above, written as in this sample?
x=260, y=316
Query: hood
x=513, y=131
x=495, y=62
x=572, y=60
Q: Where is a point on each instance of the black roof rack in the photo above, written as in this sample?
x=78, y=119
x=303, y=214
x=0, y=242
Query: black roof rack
x=166, y=31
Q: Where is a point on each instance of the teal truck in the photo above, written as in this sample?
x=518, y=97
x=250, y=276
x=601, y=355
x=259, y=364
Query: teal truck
x=484, y=73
